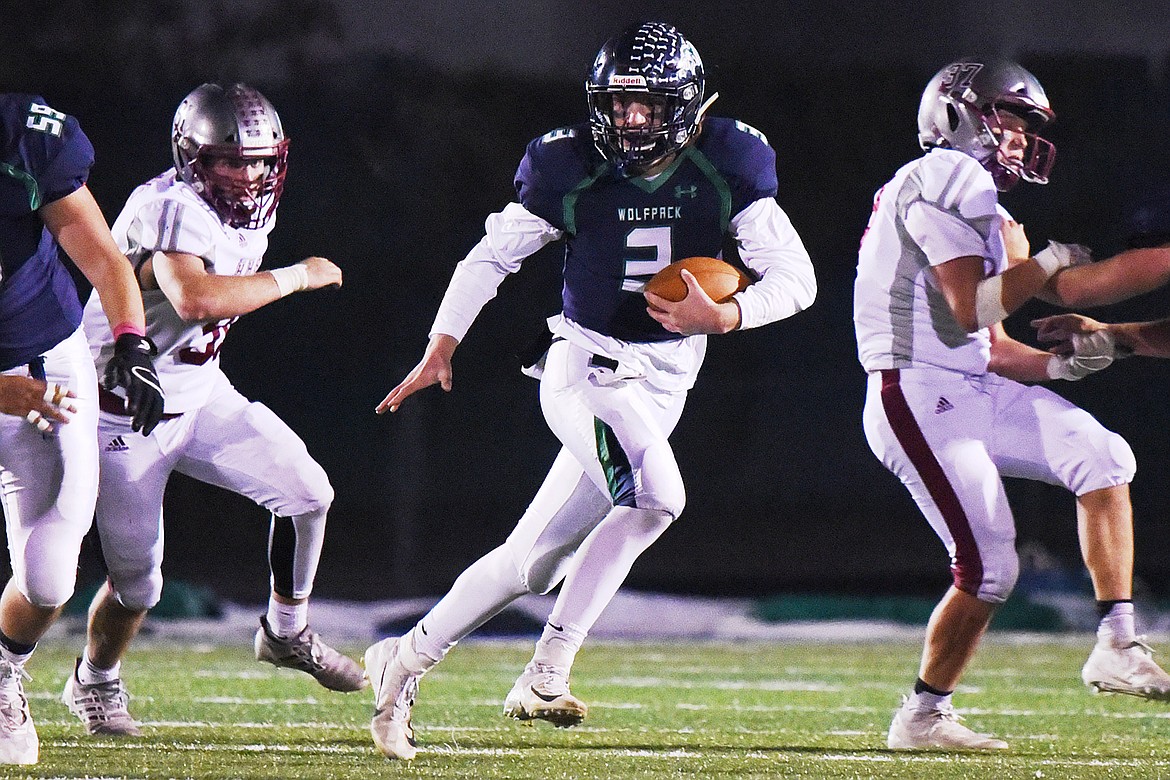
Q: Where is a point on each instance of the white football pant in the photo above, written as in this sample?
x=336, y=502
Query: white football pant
x=229, y=442
x=49, y=481
x=951, y=438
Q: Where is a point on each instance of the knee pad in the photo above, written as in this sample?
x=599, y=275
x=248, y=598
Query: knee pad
x=993, y=581
x=309, y=491
x=48, y=594
x=661, y=486
x=1108, y=461
x=138, y=593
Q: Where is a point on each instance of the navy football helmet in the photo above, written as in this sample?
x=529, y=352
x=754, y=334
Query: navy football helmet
x=653, y=64
x=236, y=123
x=959, y=111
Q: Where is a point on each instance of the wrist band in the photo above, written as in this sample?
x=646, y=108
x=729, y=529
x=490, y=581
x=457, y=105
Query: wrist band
x=128, y=327
x=291, y=278
x=1048, y=261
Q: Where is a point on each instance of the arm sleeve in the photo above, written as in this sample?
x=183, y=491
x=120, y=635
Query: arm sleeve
x=510, y=236
x=770, y=246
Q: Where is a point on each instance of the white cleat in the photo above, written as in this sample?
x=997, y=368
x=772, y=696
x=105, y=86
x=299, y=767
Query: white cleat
x=935, y=729
x=18, y=735
x=1129, y=670
x=542, y=692
x=102, y=707
x=394, y=692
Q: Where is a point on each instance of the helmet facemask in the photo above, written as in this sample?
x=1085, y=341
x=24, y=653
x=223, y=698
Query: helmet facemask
x=238, y=203
x=1039, y=154
x=635, y=148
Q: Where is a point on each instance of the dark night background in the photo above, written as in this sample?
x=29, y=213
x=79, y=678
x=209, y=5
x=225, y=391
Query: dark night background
x=407, y=124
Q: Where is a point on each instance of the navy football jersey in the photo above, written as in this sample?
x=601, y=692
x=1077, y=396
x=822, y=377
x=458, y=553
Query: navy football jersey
x=620, y=231
x=44, y=156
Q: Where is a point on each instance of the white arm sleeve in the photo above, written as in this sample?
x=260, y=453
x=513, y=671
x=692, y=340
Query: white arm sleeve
x=769, y=245
x=510, y=236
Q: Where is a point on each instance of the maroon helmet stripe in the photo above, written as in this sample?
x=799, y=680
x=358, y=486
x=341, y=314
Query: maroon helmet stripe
x=967, y=567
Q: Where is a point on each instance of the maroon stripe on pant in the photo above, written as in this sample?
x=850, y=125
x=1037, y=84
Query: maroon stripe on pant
x=967, y=567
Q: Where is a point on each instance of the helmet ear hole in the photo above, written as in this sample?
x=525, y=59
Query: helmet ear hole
x=952, y=117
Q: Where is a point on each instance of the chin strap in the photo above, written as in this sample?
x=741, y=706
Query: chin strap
x=703, y=108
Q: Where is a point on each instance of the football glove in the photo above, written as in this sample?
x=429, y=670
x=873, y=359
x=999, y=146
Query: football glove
x=1091, y=352
x=131, y=367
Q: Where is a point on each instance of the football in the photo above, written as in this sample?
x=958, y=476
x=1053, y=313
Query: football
x=718, y=279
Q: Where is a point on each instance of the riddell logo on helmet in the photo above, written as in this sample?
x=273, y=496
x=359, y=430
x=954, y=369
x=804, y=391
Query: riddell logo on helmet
x=627, y=81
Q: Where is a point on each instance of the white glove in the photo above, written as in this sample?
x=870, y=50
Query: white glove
x=1091, y=352
x=1056, y=256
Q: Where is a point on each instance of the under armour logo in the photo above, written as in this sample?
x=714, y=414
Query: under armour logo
x=943, y=405
x=691, y=192
x=117, y=444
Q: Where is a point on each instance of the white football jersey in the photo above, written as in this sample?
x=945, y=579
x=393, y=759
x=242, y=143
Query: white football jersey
x=939, y=207
x=167, y=215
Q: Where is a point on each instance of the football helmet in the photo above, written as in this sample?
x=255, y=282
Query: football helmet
x=654, y=64
x=959, y=110
x=234, y=123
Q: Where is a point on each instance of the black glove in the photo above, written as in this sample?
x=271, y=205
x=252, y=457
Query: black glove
x=132, y=368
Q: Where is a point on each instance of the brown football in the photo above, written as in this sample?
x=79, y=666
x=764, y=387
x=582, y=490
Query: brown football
x=718, y=279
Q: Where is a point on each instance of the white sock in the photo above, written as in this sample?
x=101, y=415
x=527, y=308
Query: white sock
x=89, y=674
x=477, y=595
x=287, y=620
x=930, y=701
x=1117, y=627
x=16, y=659
x=417, y=653
x=559, y=644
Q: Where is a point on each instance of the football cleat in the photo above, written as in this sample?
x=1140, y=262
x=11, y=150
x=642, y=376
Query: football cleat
x=1129, y=670
x=935, y=729
x=542, y=692
x=395, y=689
x=306, y=652
x=18, y=735
x=102, y=707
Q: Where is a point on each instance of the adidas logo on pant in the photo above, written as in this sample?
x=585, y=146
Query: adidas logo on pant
x=117, y=444
x=943, y=405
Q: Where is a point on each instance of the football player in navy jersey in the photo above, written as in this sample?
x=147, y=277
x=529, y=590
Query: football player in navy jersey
x=49, y=470
x=647, y=181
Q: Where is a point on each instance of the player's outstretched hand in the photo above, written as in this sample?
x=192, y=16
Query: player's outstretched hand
x=1057, y=331
x=322, y=273
x=38, y=402
x=434, y=368
x=694, y=314
x=131, y=367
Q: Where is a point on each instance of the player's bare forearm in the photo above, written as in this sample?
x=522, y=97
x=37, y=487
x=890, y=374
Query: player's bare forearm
x=77, y=223
x=1125, y=275
x=1013, y=359
x=434, y=368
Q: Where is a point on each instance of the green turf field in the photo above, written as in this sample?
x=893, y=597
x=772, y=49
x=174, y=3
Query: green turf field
x=657, y=711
